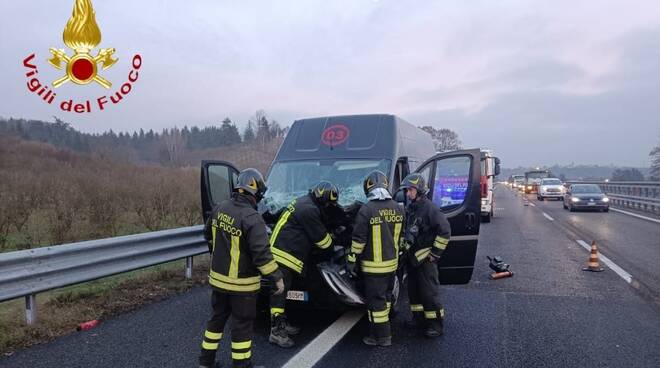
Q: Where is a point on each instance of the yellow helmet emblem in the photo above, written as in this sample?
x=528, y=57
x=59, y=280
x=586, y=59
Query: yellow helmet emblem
x=333, y=196
x=253, y=184
x=415, y=181
x=370, y=183
x=321, y=191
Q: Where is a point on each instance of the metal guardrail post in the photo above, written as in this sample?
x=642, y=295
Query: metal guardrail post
x=189, y=267
x=31, y=309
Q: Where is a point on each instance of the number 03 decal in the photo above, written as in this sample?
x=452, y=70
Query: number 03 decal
x=335, y=135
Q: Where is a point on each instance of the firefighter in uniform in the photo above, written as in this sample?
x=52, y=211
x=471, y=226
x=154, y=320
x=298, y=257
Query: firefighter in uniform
x=375, y=249
x=298, y=230
x=240, y=254
x=427, y=235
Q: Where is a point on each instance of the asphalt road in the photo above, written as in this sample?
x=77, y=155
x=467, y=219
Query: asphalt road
x=549, y=314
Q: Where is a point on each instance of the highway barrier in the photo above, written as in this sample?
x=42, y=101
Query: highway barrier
x=28, y=272
x=638, y=195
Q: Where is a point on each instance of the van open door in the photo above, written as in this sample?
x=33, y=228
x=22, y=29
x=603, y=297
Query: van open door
x=453, y=179
x=217, y=182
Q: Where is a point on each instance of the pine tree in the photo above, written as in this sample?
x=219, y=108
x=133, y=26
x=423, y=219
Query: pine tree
x=248, y=133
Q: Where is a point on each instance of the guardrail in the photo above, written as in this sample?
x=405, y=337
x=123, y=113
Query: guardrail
x=638, y=195
x=28, y=272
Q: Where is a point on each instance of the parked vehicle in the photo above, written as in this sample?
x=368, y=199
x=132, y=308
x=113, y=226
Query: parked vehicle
x=343, y=150
x=550, y=188
x=490, y=167
x=586, y=196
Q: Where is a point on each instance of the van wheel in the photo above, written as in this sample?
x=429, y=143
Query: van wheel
x=485, y=218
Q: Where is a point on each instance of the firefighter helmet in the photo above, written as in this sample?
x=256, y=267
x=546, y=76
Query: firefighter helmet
x=252, y=182
x=376, y=179
x=416, y=181
x=325, y=193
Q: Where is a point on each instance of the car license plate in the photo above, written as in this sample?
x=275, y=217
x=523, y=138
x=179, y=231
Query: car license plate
x=592, y=203
x=297, y=295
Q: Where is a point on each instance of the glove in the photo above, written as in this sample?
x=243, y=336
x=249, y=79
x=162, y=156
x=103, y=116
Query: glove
x=279, y=287
x=351, y=266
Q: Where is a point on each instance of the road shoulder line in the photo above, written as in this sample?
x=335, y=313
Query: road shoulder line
x=613, y=266
x=634, y=215
x=308, y=356
x=548, y=216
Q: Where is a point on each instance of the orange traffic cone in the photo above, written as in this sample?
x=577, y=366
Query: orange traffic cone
x=594, y=264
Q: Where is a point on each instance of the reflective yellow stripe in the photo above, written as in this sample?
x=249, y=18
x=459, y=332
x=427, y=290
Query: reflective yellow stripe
x=278, y=227
x=235, y=255
x=241, y=356
x=389, y=306
x=323, y=244
x=237, y=281
x=397, y=234
x=276, y=311
x=430, y=315
x=213, y=335
x=209, y=345
x=442, y=313
x=213, y=230
x=380, y=316
x=241, y=345
x=357, y=247
x=234, y=284
x=369, y=315
x=287, y=259
x=422, y=253
x=351, y=258
x=378, y=247
x=440, y=242
x=380, y=267
x=416, y=307
x=268, y=268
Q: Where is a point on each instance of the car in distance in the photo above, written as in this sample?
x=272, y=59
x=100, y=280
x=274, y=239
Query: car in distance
x=586, y=196
x=550, y=188
x=519, y=182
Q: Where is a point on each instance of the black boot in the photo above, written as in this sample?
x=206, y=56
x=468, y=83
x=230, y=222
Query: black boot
x=377, y=341
x=435, y=328
x=292, y=330
x=278, y=333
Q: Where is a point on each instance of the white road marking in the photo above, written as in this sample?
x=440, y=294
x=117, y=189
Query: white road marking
x=635, y=215
x=532, y=204
x=548, y=216
x=613, y=266
x=317, y=348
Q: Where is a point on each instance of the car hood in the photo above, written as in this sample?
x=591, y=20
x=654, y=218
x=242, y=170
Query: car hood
x=588, y=195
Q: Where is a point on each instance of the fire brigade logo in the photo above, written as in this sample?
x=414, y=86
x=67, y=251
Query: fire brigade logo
x=82, y=35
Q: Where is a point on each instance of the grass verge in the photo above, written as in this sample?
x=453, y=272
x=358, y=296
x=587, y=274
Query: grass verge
x=60, y=311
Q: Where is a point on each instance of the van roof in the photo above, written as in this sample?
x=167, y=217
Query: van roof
x=354, y=136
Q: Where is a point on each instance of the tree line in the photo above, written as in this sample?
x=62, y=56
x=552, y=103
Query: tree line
x=165, y=147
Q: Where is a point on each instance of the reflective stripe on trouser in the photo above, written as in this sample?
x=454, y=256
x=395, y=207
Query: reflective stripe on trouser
x=424, y=294
x=241, y=352
x=278, y=302
x=242, y=309
x=376, y=290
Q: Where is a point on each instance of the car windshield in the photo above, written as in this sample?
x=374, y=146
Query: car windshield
x=551, y=182
x=291, y=179
x=585, y=188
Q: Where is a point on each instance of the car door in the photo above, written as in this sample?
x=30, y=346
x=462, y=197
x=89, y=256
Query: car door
x=216, y=184
x=453, y=179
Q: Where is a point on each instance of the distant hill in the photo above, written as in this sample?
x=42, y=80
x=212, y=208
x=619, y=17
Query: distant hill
x=574, y=172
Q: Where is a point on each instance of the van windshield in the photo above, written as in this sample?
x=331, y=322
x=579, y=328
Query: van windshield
x=291, y=179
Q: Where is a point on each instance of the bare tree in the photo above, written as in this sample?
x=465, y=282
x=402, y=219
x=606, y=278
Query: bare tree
x=654, y=173
x=443, y=139
x=175, y=144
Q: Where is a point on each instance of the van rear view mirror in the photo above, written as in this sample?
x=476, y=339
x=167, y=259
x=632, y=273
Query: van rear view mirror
x=497, y=166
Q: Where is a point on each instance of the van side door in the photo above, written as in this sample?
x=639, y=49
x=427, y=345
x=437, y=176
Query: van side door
x=216, y=184
x=453, y=179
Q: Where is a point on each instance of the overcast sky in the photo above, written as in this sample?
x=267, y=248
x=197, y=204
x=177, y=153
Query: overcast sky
x=539, y=82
